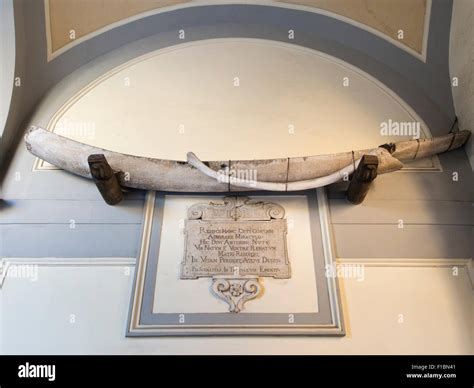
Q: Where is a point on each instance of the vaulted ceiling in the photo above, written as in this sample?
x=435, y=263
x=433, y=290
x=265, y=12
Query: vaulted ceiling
x=384, y=17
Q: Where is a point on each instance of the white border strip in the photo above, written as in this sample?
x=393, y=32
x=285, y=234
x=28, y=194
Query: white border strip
x=334, y=297
x=138, y=287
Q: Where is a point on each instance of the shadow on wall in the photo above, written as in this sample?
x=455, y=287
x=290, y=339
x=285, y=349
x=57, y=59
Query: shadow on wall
x=7, y=59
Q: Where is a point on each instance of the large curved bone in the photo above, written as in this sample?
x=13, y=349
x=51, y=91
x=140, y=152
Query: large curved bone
x=273, y=174
x=275, y=186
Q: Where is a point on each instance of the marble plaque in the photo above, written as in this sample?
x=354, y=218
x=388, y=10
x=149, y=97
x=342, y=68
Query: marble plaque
x=170, y=298
x=235, y=247
x=235, y=242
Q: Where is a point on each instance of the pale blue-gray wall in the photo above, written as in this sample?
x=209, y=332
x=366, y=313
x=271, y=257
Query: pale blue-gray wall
x=37, y=207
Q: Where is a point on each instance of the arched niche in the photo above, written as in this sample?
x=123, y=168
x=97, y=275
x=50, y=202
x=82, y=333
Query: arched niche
x=230, y=98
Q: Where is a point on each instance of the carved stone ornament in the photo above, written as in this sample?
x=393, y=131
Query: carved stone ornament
x=235, y=242
x=236, y=290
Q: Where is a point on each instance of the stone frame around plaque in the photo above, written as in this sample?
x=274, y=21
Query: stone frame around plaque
x=142, y=321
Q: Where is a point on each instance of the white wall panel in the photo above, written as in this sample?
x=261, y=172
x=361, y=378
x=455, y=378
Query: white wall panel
x=234, y=99
x=406, y=309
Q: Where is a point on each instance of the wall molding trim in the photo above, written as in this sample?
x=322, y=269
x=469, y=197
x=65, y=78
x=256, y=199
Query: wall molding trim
x=468, y=264
x=6, y=263
x=404, y=262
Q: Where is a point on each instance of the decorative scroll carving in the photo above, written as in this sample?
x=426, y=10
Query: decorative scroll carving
x=236, y=208
x=236, y=290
